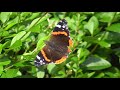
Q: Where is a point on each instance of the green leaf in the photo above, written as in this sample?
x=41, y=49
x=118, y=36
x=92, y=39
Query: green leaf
x=26, y=35
x=19, y=73
x=105, y=16
x=10, y=73
x=34, y=22
x=1, y=46
x=4, y=33
x=18, y=37
x=12, y=23
x=40, y=43
x=112, y=37
x=34, y=15
x=5, y=61
x=4, y=16
x=92, y=24
x=96, y=63
x=90, y=39
x=6, y=44
x=62, y=74
x=40, y=74
x=38, y=20
x=20, y=64
x=17, y=44
x=114, y=27
x=35, y=28
x=104, y=44
x=51, y=68
x=1, y=69
x=100, y=75
x=90, y=74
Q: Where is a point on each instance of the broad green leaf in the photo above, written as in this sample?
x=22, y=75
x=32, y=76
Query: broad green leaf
x=40, y=74
x=1, y=69
x=19, y=73
x=4, y=33
x=79, y=52
x=20, y=64
x=72, y=24
x=4, y=16
x=12, y=23
x=10, y=73
x=96, y=63
x=34, y=70
x=41, y=43
x=112, y=37
x=34, y=15
x=38, y=20
x=6, y=44
x=90, y=39
x=104, y=44
x=5, y=61
x=35, y=28
x=34, y=22
x=90, y=74
x=45, y=17
x=24, y=15
x=18, y=37
x=26, y=35
x=1, y=46
x=92, y=25
x=51, y=68
x=17, y=44
x=113, y=72
x=105, y=16
x=62, y=74
x=114, y=27
x=100, y=75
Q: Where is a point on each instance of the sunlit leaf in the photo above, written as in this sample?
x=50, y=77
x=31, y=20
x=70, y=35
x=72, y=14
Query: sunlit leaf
x=17, y=37
x=96, y=63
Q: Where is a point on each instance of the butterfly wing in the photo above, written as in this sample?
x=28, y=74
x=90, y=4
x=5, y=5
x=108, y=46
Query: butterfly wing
x=56, y=49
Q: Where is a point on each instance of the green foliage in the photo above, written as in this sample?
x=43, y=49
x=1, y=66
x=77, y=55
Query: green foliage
x=95, y=52
x=92, y=24
x=95, y=63
x=114, y=27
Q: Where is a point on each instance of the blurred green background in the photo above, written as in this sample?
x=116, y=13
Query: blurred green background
x=95, y=52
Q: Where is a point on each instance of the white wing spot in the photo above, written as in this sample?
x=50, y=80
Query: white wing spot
x=63, y=26
x=66, y=27
x=41, y=61
x=38, y=57
x=59, y=26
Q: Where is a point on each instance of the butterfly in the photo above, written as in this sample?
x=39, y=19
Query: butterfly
x=56, y=49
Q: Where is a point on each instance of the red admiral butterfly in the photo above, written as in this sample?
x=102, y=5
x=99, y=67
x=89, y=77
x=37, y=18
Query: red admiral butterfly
x=56, y=49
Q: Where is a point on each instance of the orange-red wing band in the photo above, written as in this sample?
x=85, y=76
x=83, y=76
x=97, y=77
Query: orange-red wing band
x=70, y=43
x=58, y=33
x=56, y=62
x=69, y=50
x=61, y=60
x=44, y=55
